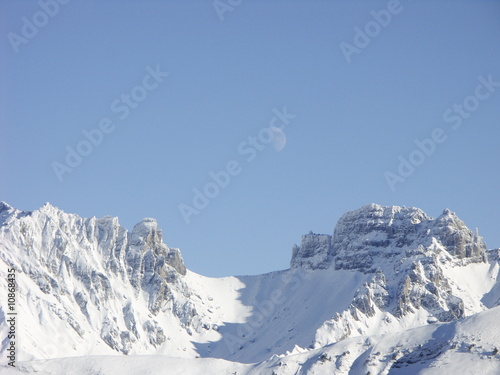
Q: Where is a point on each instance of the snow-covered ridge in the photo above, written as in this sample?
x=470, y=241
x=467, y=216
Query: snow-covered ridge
x=95, y=276
x=90, y=286
x=469, y=346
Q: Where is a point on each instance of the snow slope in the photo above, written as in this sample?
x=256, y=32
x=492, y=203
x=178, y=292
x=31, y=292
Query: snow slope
x=95, y=298
x=466, y=346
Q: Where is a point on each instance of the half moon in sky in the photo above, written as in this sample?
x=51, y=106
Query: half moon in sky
x=279, y=140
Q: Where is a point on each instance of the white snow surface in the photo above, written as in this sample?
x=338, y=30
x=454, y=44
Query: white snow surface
x=94, y=298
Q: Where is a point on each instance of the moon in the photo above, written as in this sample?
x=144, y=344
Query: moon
x=279, y=140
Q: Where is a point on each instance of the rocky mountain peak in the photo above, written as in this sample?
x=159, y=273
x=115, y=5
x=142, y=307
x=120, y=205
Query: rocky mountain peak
x=146, y=225
x=4, y=206
x=5, y=212
x=92, y=286
x=82, y=258
x=374, y=232
x=146, y=240
x=313, y=251
x=404, y=253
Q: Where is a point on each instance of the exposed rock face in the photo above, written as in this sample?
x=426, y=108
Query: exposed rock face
x=372, y=232
x=151, y=265
x=456, y=237
x=313, y=251
x=81, y=260
x=405, y=250
x=364, y=236
x=111, y=290
x=371, y=294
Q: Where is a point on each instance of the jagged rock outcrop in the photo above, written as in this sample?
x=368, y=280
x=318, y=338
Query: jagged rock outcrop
x=82, y=259
x=90, y=286
x=313, y=251
x=375, y=232
x=405, y=251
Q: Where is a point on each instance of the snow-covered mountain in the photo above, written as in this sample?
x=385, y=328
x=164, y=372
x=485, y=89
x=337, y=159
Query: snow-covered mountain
x=391, y=291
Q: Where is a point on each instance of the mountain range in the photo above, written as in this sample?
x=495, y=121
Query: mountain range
x=390, y=291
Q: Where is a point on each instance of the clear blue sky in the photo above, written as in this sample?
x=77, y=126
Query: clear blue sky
x=353, y=120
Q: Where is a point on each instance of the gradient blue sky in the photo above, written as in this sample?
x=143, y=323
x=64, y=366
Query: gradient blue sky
x=353, y=120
